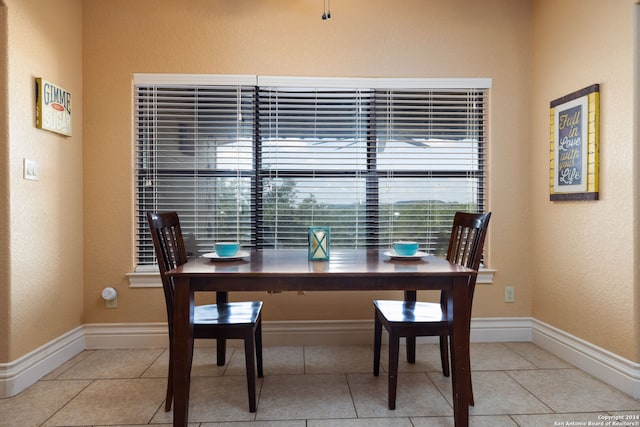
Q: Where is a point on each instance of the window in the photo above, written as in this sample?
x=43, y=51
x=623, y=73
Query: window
x=260, y=159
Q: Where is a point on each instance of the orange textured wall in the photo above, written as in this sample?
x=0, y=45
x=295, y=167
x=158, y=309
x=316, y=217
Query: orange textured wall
x=364, y=38
x=584, y=252
x=45, y=286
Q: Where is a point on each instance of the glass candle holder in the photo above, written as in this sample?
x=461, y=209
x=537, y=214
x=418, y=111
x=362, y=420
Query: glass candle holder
x=318, y=243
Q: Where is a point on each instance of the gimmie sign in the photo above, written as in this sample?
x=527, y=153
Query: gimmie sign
x=53, y=107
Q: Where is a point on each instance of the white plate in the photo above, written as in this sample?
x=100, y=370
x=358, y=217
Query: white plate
x=215, y=257
x=417, y=255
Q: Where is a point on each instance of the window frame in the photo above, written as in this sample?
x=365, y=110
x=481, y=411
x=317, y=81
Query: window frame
x=372, y=175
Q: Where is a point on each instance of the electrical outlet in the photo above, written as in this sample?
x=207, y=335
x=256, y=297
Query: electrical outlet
x=111, y=303
x=509, y=294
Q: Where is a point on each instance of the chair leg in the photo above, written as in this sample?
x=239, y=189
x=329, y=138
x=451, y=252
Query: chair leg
x=249, y=349
x=411, y=349
x=444, y=355
x=258, y=340
x=377, y=344
x=169, y=397
x=221, y=351
x=394, y=350
x=471, y=401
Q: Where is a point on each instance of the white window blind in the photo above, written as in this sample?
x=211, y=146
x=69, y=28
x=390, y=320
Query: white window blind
x=313, y=149
x=195, y=156
x=430, y=162
x=376, y=160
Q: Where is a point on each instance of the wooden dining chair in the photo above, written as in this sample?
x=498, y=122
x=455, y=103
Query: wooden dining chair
x=411, y=319
x=221, y=321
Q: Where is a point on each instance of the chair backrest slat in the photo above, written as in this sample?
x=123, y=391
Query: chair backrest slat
x=170, y=250
x=467, y=238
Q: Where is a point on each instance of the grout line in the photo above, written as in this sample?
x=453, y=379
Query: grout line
x=70, y=399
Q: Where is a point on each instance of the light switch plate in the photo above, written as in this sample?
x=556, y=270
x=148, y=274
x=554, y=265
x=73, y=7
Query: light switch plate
x=30, y=170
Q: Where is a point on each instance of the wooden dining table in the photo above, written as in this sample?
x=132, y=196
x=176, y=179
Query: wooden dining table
x=348, y=270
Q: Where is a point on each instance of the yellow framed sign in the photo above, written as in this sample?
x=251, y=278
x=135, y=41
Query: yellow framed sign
x=574, y=145
x=53, y=107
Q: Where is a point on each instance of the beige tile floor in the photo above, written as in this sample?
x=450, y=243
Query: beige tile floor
x=515, y=384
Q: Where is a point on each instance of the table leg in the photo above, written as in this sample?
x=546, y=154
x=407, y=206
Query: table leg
x=411, y=341
x=221, y=344
x=182, y=349
x=459, y=312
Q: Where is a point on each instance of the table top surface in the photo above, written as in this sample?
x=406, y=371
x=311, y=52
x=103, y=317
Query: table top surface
x=344, y=263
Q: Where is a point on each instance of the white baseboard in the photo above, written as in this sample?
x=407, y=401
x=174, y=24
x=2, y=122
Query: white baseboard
x=606, y=366
x=21, y=373
x=125, y=335
x=308, y=332
x=500, y=329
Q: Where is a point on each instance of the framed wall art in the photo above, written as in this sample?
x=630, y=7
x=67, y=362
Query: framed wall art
x=53, y=107
x=574, y=147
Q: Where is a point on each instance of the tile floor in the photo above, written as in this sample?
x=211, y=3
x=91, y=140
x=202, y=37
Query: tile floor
x=515, y=384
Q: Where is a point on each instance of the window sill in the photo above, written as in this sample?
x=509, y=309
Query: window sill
x=145, y=276
x=485, y=276
x=148, y=277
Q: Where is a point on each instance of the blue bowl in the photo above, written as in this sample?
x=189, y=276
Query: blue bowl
x=404, y=248
x=227, y=249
